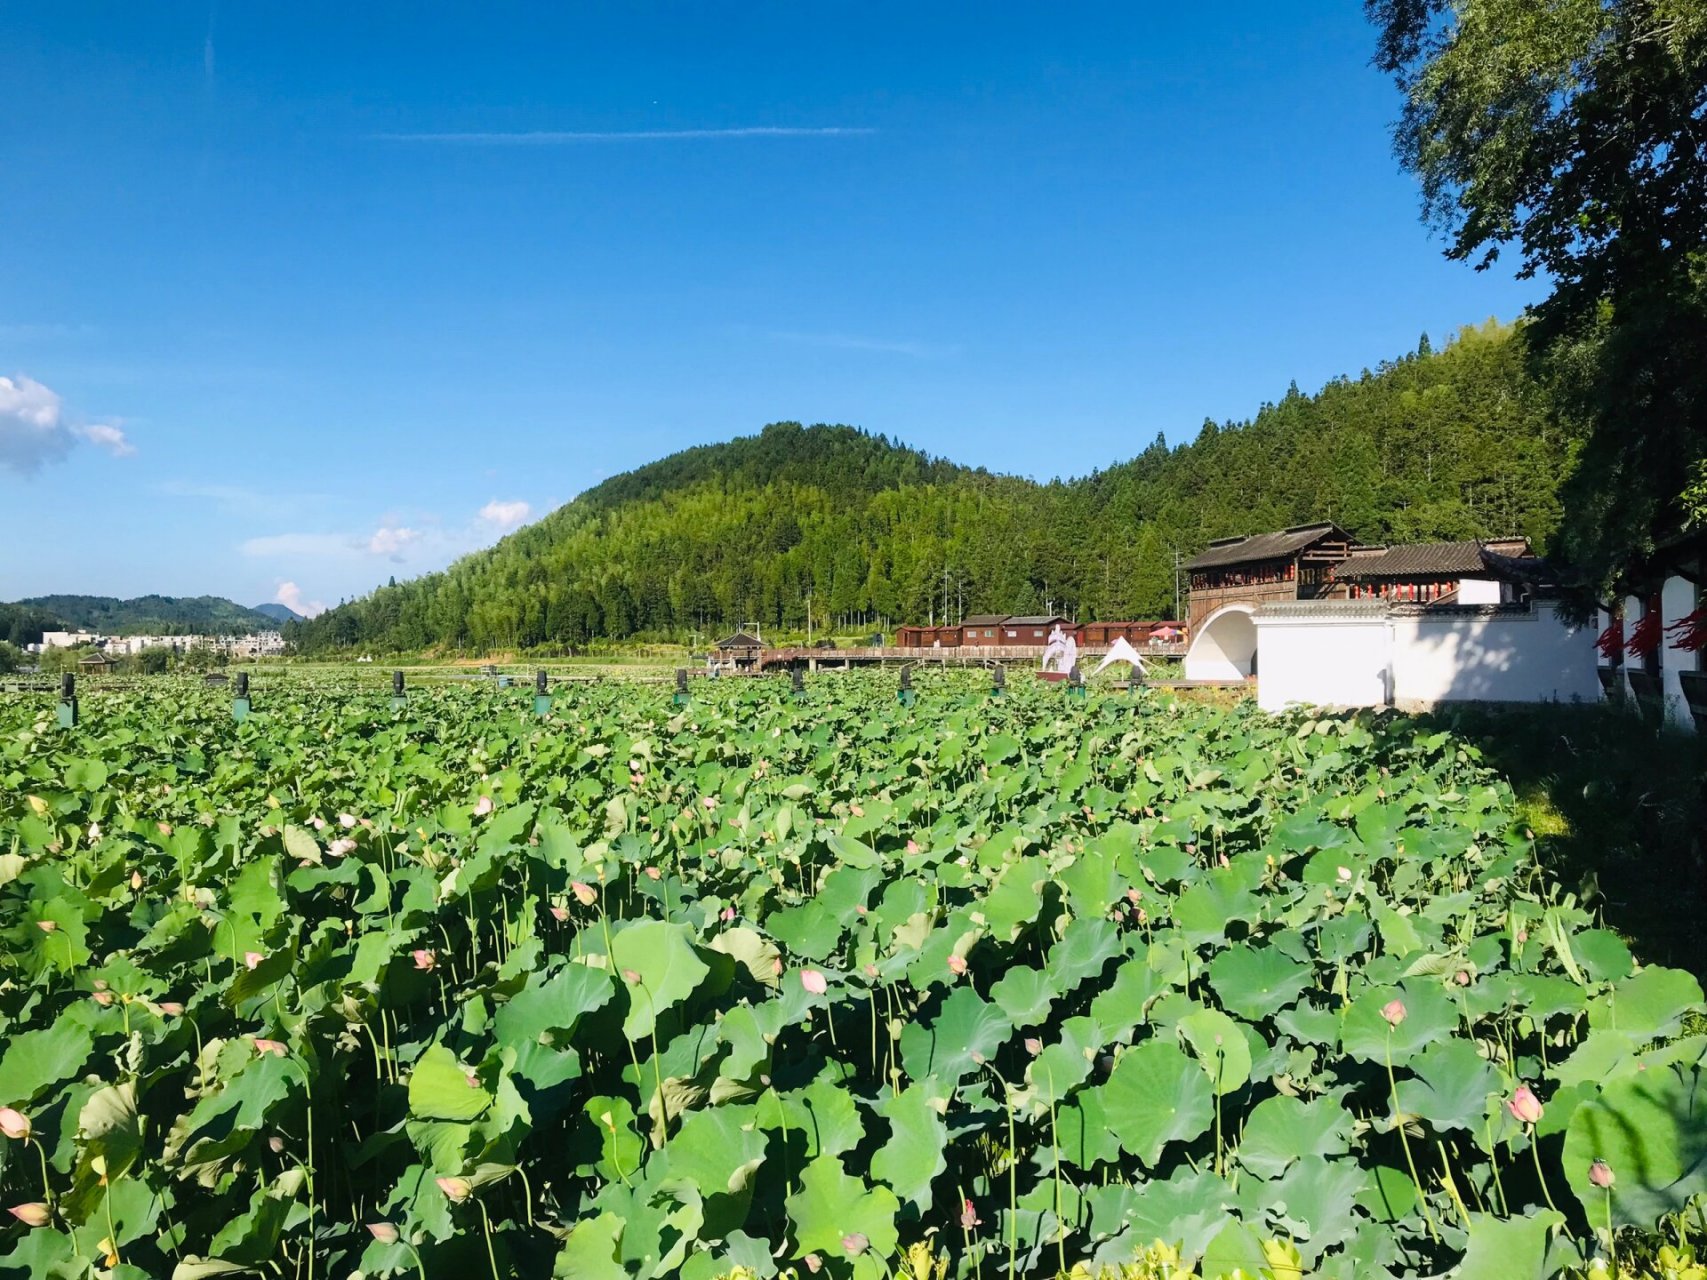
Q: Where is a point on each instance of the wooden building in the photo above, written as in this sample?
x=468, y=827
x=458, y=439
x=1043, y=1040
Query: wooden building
x=1031, y=631
x=1469, y=573
x=1099, y=635
x=742, y=649
x=927, y=637
x=1292, y=564
x=981, y=631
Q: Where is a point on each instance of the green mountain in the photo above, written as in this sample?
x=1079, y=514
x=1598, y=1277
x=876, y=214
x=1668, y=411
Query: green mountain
x=278, y=612
x=1447, y=444
x=145, y=615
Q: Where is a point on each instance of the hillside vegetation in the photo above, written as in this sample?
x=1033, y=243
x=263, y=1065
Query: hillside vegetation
x=1454, y=443
x=24, y=621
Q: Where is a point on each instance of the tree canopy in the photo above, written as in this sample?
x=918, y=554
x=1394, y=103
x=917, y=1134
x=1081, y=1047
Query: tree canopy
x=1575, y=133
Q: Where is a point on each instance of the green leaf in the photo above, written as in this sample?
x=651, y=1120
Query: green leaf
x=1508, y=1248
x=669, y=969
x=1255, y=982
x=1651, y=1130
x=1156, y=1095
x=830, y=1206
x=915, y=1151
x=592, y=1251
x=1651, y=1004
x=1281, y=1129
x=1452, y=1087
x=33, y=1060
x=1430, y=1017
x=441, y=1088
x=553, y=1003
x=965, y=1029
x=1221, y=1048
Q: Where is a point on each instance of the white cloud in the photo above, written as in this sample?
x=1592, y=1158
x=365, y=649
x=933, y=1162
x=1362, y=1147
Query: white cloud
x=391, y=541
x=106, y=436
x=35, y=431
x=290, y=596
x=505, y=515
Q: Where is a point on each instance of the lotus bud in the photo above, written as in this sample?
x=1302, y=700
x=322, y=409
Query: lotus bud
x=813, y=1262
x=346, y=820
x=424, y=959
x=102, y=998
x=1524, y=1106
x=871, y=971
x=1394, y=1012
x=728, y=913
x=1344, y=874
x=252, y=958
x=1033, y=1046
x=1462, y=978
x=317, y=822
x=47, y=926
x=957, y=965
x=1600, y=1173
x=14, y=1124
x=94, y=831
x=456, y=1189
x=636, y=779
x=856, y=1243
x=276, y=1145
x=968, y=1215
x=856, y=810
x=584, y=893
x=171, y=1008
x=274, y=1047
x=483, y=806
x=559, y=914
x=631, y=976
x=814, y=982
x=165, y=828
x=34, y=1214
x=709, y=802
x=384, y=1232
x=912, y=848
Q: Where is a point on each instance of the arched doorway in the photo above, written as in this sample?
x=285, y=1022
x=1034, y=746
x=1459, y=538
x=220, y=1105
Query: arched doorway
x=1224, y=647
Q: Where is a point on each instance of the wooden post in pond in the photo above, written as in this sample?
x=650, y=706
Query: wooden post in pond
x=541, y=696
x=240, y=702
x=999, y=681
x=681, y=686
x=906, y=692
x=67, y=701
x=797, y=681
x=1075, y=682
x=399, y=699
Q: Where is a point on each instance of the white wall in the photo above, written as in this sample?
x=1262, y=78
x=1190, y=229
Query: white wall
x=1677, y=600
x=1223, y=647
x=1333, y=660
x=1352, y=656
x=1479, y=591
x=1505, y=657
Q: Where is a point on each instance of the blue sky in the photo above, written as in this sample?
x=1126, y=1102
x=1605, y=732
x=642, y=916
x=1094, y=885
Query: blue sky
x=298, y=297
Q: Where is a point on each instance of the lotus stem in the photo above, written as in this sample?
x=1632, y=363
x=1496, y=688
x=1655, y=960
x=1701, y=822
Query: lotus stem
x=486, y=1230
x=1535, y=1151
x=1405, y=1142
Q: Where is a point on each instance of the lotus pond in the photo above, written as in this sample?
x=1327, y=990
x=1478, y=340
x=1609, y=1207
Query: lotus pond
x=760, y=986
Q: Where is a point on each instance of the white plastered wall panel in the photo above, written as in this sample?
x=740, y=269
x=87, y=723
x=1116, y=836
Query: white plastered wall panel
x=1509, y=656
x=1338, y=659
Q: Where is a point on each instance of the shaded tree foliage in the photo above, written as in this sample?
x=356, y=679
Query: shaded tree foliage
x=1454, y=444
x=1575, y=131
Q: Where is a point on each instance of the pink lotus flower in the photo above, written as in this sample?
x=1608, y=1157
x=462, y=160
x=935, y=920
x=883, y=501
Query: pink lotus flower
x=814, y=1263
x=424, y=959
x=708, y=803
x=856, y=1243
x=1524, y=1106
x=912, y=848
x=136, y=879
x=317, y=822
x=728, y=913
x=957, y=965
x=483, y=806
x=1600, y=1173
x=585, y=894
x=252, y=958
x=102, y=998
x=856, y=810
x=455, y=1189
x=969, y=1216
x=814, y=982
x=274, y=1047
x=871, y=971
x=47, y=926
x=346, y=820
x=171, y=1008
x=652, y=873
x=165, y=828
x=1033, y=1045
x=384, y=1232
x=34, y=1214
x=14, y=1124
x=338, y=848
x=1134, y=894
x=559, y=914
x=631, y=976
x=1344, y=874
x=1394, y=1012
x=636, y=779
x=1462, y=978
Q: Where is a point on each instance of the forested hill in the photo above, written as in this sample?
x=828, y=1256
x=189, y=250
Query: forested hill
x=144, y=615
x=1454, y=443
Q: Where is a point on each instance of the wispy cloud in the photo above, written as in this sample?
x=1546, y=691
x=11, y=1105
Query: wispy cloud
x=505, y=516
x=559, y=137
x=425, y=541
x=854, y=342
x=35, y=430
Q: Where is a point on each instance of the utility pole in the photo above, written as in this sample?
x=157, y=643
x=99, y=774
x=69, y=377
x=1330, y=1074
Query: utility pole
x=1176, y=584
x=945, y=593
x=808, y=619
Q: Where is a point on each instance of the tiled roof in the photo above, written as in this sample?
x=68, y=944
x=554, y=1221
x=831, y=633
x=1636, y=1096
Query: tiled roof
x=1261, y=546
x=984, y=620
x=1037, y=621
x=1424, y=559
x=740, y=640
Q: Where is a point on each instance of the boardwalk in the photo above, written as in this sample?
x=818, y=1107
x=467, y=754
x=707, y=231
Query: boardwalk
x=962, y=656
